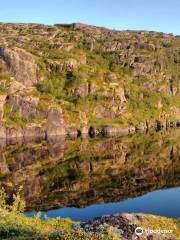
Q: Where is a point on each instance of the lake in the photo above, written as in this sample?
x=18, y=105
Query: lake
x=89, y=177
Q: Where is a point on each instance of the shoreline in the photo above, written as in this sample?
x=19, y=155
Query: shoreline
x=34, y=131
x=125, y=226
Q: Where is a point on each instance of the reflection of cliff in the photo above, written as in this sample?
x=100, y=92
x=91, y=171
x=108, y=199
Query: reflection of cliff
x=87, y=171
x=21, y=164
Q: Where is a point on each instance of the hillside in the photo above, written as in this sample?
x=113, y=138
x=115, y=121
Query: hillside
x=75, y=78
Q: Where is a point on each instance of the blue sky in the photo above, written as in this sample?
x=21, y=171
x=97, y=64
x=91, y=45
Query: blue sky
x=158, y=15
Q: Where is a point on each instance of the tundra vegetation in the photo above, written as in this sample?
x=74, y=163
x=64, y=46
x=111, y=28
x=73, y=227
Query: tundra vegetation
x=80, y=76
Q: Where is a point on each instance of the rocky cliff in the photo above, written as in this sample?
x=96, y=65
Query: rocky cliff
x=75, y=78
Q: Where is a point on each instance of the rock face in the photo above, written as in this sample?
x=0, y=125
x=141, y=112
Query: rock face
x=20, y=64
x=16, y=87
x=26, y=106
x=12, y=132
x=55, y=123
x=2, y=102
x=84, y=123
x=2, y=131
x=64, y=79
x=33, y=131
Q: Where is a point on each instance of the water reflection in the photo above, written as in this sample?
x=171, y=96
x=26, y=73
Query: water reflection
x=86, y=171
x=161, y=202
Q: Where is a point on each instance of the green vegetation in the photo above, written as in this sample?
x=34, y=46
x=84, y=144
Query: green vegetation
x=116, y=78
x=17, y=119
x=156, y=222
x=15, y=226
x=4, y=82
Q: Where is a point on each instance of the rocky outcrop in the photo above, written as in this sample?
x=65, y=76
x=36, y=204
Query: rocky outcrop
x=131, y=226
x=26, y=106
x=14, y=132
x=82, y=90
x=123, y=224
x=20, y=64
x=16, y=88
x=72, y=133
x=2, y=132
x=83, y=122
x=2, y=102
x=33, y=131
x=55, y=123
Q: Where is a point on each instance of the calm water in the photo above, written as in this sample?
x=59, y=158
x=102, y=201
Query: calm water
x=162, y=202
x=86, y=178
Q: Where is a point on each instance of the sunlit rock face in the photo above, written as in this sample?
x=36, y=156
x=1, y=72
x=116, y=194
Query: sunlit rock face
x=20, y=65
x=62, y=172
x=83, y=76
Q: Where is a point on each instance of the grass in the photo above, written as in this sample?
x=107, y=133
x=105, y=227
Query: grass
x=157, y=222
x=15, y=225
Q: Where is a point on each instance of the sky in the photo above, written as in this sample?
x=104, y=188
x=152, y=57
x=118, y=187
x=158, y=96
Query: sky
x=157, y=15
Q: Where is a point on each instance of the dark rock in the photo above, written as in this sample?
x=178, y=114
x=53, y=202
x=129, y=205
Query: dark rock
x=92, y=131
x=178, y=123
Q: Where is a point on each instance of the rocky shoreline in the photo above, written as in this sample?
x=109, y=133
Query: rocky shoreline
x=54, y=130
x=131, y=226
